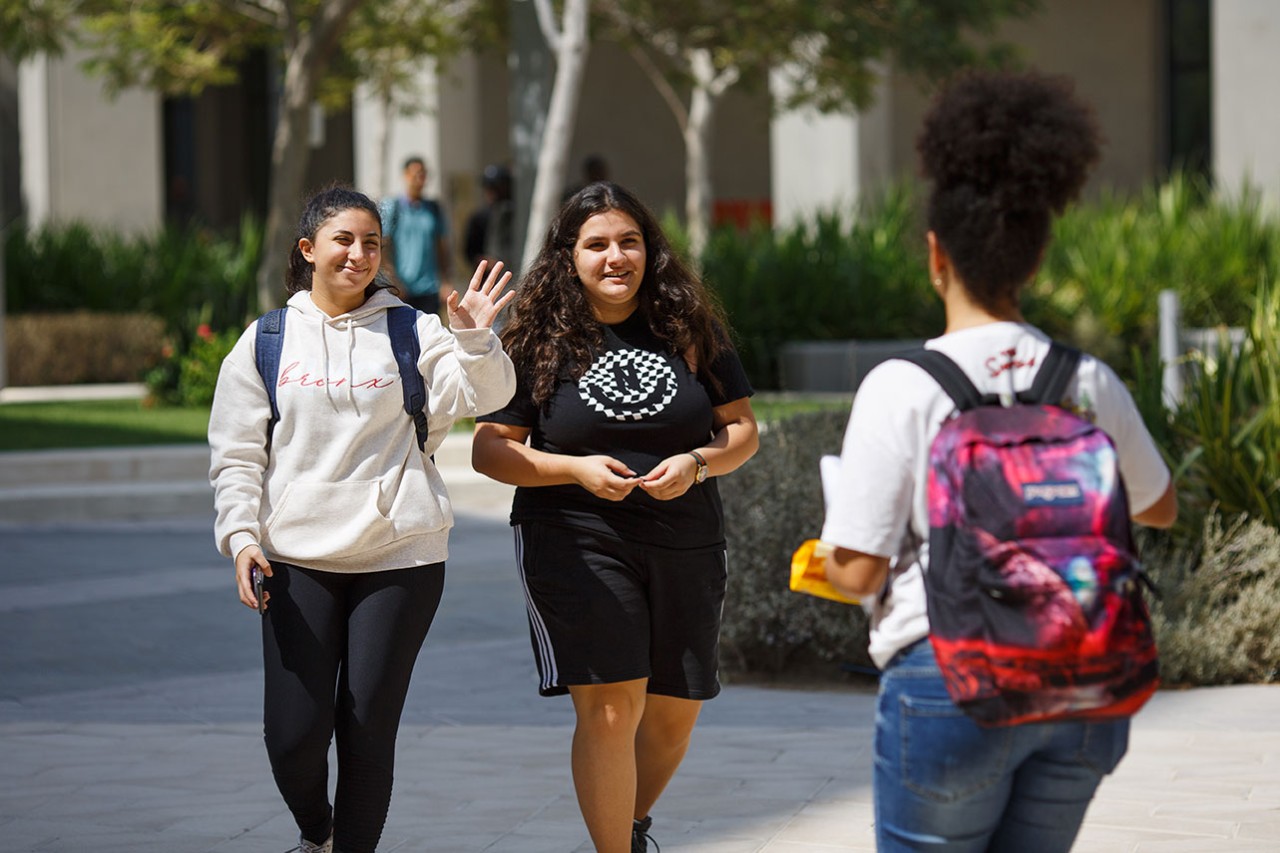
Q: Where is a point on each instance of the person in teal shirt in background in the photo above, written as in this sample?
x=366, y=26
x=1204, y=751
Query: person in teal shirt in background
x=417, y=235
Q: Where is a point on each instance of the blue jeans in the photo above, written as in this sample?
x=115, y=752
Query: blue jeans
x=946, y=785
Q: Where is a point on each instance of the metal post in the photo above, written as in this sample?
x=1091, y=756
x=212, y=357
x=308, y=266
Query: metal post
x=1170, y=350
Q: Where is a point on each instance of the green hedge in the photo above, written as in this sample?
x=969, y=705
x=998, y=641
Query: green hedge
x=1110, y=258
x=835, y=278
x=861, y=274
x=81, y=347
x=1215, y=619
x=184, y=276
x=771, y=505
x=1218, y=569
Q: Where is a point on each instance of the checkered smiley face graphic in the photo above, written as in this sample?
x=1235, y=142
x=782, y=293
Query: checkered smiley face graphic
x=628, y=385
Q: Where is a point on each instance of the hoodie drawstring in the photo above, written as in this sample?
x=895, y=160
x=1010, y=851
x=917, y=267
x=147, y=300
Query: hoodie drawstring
x=351, y=370
x=349, y=326
x=328, y=385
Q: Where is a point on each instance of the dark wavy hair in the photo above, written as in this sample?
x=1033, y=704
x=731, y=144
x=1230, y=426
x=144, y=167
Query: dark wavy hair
x=1005, y=152
x=319, y=209
x=553, y=332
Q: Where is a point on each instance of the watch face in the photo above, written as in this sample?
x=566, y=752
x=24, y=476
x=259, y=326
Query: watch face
x=702, y=474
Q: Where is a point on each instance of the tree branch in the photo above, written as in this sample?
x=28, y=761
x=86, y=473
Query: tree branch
x=268, y=14
x=547, y=23
x=722, y=81
x=664, y=87
x=333, y=15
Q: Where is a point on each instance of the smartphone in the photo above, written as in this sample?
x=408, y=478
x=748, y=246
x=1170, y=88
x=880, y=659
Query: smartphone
x=257, y=589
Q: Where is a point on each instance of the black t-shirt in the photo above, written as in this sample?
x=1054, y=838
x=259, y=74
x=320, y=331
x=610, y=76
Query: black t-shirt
x=640, y=404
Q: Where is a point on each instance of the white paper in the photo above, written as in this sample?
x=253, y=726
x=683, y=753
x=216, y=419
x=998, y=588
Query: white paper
x=829, y=470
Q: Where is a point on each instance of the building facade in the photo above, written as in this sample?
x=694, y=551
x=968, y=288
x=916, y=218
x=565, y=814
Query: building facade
x=1174, y=82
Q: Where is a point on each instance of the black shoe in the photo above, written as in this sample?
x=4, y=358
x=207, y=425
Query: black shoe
x=640, y=836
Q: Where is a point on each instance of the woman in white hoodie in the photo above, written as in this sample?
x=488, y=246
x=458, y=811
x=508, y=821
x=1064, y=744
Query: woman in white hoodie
x=342, y=511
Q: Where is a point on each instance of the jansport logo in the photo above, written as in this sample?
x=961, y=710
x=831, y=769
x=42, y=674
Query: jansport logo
x=1053, y=493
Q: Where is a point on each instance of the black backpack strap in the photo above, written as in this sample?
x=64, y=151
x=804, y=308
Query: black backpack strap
x=267, y=343
x=1053, y=377
x=402, y=327
x=948, y=374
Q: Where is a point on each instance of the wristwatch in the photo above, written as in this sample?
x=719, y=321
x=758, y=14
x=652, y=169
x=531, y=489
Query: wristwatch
x=701, y=474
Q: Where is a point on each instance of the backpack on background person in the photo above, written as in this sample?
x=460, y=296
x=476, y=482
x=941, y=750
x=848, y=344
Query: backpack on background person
x=1034, y=588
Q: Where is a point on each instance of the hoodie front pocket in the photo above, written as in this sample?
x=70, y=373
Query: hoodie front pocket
x=328, y=521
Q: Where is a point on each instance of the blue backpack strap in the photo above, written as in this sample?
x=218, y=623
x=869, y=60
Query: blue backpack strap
x=1053, y=377
x=402, y=326
x=948, y=374
x=268, y=341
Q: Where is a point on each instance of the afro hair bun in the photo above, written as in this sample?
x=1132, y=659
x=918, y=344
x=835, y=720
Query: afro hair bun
x=1019, y=142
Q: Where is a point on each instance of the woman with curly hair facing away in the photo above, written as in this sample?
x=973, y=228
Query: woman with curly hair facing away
x=1005, y=153
x=630, y=403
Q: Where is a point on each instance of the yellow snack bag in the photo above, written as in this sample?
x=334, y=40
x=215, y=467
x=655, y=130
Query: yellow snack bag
x=809, y=572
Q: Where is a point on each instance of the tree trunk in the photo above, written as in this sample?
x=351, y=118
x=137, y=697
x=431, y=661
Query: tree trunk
x=306, y=55
x=553, y=153
x=697, y=171
x=382, y=140
x=708, y=86
x=290, y=153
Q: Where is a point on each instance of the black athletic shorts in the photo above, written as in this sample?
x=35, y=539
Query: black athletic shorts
x=602, y=610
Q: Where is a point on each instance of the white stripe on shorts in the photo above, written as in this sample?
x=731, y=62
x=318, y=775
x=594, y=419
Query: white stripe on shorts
x=546, y=654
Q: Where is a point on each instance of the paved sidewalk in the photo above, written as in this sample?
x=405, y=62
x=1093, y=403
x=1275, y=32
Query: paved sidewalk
x=130, y=707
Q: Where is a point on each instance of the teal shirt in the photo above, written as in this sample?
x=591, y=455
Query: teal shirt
x=414, y=229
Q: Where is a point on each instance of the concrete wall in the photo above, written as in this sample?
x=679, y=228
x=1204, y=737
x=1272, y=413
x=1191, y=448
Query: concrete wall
x=1112, y=50
x=624, y=119
x=418, y=134
x=828, y=179
x=86, y=156
x=474, y=133
x=1246, y=109
x=621, y=117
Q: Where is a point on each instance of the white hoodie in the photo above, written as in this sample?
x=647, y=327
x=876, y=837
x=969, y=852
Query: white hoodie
x=345, y=488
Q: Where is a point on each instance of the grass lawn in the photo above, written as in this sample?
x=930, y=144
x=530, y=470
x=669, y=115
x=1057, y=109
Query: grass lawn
x=98, y=423
x=770, y=406
x=120, y=423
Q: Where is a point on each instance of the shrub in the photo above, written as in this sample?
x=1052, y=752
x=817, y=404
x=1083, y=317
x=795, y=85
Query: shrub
x=832, y=279
x=189, y=378
x=1216, y=620
x=183, y=275
x=862, y=274
x=1223, y=438
x=1109, y=259
x=80, y=347
x=771, y=505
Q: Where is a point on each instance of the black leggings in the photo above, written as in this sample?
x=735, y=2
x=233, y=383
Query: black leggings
x=338, y=651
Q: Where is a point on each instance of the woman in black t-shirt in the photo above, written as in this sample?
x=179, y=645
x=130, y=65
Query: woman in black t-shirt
x=631, y=401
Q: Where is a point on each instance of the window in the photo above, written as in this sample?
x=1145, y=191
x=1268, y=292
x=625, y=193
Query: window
x=1189, y=109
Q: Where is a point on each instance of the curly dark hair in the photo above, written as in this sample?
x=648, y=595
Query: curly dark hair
x=319, y=209
x=1005, y=152
x=553, y=332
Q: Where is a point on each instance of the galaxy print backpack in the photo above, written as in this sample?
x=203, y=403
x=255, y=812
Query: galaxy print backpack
x=1034, y=589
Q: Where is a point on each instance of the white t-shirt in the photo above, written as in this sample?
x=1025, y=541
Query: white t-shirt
x=876, y=497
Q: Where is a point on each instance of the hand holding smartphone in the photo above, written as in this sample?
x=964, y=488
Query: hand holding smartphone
x=257, y=589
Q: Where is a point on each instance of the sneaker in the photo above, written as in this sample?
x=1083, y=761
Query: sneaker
x=640, y=836
x=305, y=846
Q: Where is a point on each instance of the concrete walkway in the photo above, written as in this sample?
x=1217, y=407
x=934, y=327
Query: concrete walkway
x=130, y=708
